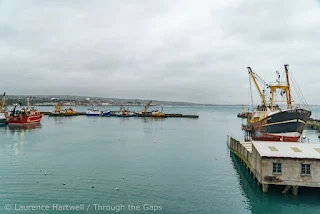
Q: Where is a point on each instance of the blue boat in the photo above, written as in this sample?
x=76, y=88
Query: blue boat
x=107, y=113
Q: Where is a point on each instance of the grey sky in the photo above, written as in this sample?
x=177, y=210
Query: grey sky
x=193, y=51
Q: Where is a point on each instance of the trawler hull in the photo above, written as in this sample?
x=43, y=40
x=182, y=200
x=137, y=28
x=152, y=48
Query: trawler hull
x=285, y=125
x=24, y=120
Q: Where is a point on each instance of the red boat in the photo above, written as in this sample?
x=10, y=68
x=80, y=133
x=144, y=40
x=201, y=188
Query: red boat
x=24, y=116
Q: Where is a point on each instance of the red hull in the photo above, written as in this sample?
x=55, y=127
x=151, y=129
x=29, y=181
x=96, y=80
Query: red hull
x=24, y=120
x=270, y=137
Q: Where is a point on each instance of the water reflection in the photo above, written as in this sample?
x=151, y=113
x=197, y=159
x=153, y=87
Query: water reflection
x=59, y=120
x=150, y=119
x=23, y=129
x=273, y=201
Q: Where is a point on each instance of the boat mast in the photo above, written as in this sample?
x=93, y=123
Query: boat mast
x=28, y=102
x=257, y=86
x=288, y=94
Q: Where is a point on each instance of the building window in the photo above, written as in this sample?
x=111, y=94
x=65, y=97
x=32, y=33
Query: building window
x=276, y=168
x=305, y=169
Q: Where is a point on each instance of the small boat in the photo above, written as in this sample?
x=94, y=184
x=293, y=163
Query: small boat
x=24, y=116
x=107, y=113
x=93, y=112
x=125, y=113
x=157, y=113
x=57, y=110
x=70, y=112
x=243, y=114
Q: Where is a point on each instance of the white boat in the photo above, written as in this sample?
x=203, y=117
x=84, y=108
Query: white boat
x=3, y=119
x=93, y=112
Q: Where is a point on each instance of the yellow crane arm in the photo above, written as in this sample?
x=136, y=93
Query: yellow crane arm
x=256, y=83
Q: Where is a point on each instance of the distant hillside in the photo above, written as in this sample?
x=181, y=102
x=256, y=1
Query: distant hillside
x=11, y=99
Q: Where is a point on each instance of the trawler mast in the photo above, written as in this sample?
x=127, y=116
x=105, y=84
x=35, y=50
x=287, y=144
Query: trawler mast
x=273, y=88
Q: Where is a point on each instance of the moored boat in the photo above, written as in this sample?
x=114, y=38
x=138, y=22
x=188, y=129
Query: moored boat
x=157, y=113
x=69, y=112
x=93, y=112
x=268, y=122
x=107, y=113
x=57, y=110
x=24, y=116
x=125, y=113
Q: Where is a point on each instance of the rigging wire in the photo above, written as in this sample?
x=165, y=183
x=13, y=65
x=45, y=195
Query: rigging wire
x=303, y=98
x=300, y=95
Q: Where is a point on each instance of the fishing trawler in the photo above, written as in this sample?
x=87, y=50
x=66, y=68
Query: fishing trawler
x=24, y=116
x=57, y=110
x=268, y=122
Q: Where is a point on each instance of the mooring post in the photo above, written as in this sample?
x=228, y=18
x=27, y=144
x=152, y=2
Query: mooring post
x=265, y=188
x=295, y=190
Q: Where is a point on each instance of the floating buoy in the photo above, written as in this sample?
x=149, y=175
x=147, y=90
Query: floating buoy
x=92, y=187
x=117, y=189
x=37, y=181
x=122, y=177
x=45, y=173
x=64, y=184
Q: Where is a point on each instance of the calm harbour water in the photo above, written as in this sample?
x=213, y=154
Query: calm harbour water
x=178, y=165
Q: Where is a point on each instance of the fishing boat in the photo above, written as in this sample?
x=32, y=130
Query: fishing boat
x=243, y=114
x=157, y=113
x=268, y=122
x=3, y=110
x=24, y=116
x=69, y=112
x=92, y=111
x=125, y=113
x=57, y=110
x=107, y=113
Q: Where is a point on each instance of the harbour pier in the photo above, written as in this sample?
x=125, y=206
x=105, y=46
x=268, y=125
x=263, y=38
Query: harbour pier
x=291, y=165
x=146, y=114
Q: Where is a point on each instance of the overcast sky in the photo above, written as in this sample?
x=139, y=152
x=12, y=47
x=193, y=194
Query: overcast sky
x=193, y=51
